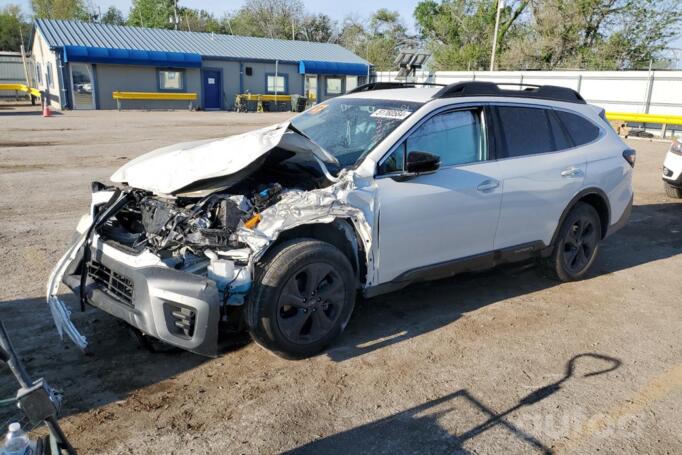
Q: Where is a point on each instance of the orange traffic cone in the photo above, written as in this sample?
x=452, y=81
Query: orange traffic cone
x=46, y=110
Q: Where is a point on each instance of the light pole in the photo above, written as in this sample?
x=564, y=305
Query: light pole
x=500, y=4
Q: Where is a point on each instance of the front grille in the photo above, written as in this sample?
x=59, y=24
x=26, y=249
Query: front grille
x=117, y=286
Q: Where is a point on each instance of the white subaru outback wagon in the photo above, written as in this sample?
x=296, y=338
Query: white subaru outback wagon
x=277, y=230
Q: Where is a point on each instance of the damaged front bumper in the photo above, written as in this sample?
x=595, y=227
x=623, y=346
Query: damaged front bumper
x=179, y=308
x=183, y=302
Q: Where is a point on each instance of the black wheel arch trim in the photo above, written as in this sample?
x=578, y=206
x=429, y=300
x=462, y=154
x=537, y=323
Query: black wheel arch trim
x=340, y=233
x=580, y=195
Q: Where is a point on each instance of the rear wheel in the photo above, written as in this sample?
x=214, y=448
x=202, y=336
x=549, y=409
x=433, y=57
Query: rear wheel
x=672, y=191
x=577, y=244
x=302, y=298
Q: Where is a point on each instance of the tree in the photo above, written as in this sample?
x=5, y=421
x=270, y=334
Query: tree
x=353, y=35
x=378, y=41
x=198, y=20
x=12, y=28
x=549, y=34
x=317, y=27
x=60, y=9
x=266, y=18
x=151, y=13
x=386, y=34
x=643, y=34
x=113, y=16
x=459, y=32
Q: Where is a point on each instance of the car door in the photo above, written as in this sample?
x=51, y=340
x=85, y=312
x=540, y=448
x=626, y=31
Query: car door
x=540, y=169
x=446, y=215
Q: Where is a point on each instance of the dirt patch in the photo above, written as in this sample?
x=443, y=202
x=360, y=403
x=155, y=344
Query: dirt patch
x=27, y=144
x=475, y=364
x=21, y=167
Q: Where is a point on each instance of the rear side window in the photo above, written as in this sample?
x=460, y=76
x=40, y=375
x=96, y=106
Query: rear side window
x=529, y=131
x=581, y=130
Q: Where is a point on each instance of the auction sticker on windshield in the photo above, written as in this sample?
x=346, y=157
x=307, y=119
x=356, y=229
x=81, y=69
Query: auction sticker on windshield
x=394, y=114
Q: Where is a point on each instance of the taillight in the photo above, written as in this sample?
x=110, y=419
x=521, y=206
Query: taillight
x=630, y=156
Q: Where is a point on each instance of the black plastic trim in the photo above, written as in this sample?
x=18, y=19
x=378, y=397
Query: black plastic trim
x=479, y=88
x=676, y=183
x=574, y=201
x=622, y=221
x=475, y=263
x=390, y=85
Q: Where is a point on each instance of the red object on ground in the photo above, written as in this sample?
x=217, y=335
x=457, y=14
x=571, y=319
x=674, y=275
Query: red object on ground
x=46, y=110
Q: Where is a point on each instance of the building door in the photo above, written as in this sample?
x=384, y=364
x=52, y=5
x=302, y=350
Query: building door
x=211, y=88
x=82, y=86
x=310, y=89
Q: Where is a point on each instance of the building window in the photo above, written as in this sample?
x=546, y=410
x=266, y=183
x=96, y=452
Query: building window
x=171, y=80
x=249, y=71
x=333, y=86
x=49, y=74
x=276, y=84
x=39, y=74
x=351, y=83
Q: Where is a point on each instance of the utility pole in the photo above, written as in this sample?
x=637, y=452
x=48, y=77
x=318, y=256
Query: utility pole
x=175, y=20
x=500, y=4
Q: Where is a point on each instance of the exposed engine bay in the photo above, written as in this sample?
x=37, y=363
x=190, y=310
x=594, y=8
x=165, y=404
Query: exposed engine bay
x=170, y=257
x=182, y=228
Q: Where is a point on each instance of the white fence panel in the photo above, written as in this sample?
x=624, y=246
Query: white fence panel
x=655, y=92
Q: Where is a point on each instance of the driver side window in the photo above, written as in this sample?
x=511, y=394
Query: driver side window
x=456, y=136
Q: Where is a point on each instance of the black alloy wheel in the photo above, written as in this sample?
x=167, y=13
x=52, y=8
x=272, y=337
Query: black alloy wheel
x=577, y=243
x=302, y=298
x=310, y=303
x=580, y=244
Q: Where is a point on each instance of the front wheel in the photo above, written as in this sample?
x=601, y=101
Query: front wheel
x=577, y=244
x=302, y=298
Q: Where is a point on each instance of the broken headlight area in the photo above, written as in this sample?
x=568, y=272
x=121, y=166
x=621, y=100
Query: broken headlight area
x=194, y=235
x=181, y=230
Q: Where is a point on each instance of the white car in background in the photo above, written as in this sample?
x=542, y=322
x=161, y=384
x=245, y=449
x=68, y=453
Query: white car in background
x=278, y=229
x=672, y=171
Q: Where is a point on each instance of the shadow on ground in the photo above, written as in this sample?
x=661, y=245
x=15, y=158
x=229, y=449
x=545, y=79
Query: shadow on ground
x=114, y=365
x=9, y=109
x=378, y=322
x=424, y=307
x=419, y=429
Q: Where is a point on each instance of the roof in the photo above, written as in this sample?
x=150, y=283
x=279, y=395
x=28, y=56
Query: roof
x=60, y=33
x=411, y=94
x=426, y=93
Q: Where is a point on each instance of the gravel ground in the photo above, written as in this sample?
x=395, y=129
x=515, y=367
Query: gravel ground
x=506, y=361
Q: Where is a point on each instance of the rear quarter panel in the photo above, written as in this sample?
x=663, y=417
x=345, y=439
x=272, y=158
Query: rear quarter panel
x=608, y=171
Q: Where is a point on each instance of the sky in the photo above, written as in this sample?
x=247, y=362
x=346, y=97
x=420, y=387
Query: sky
x=337, y=9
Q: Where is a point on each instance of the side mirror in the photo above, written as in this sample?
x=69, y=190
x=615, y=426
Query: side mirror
x=421, y=162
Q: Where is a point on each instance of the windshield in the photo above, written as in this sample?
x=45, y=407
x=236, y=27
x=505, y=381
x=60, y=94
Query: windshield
x=348, y=128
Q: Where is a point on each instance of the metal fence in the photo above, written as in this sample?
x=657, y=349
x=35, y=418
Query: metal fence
x=11, y=71
x=648, y=92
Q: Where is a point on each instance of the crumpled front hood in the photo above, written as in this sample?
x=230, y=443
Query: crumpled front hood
x=170, y=169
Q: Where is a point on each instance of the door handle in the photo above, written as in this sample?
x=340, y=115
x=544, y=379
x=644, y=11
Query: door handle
x=572, y=172
x=488, y=185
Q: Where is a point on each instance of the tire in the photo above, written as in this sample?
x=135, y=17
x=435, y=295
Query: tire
x=672, y=191
x=290, y=315
x=577, y=244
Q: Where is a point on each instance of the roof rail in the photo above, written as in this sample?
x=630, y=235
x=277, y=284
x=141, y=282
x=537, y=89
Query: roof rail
x=389, y=85
x=479, y=88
